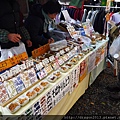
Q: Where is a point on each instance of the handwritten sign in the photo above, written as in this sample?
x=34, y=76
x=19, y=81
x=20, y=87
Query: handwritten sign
x=12, y=61
x=41, y=50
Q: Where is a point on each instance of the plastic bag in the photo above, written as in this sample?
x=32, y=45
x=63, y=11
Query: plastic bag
x=115, y=47
x=8, y=53
x=58, y=45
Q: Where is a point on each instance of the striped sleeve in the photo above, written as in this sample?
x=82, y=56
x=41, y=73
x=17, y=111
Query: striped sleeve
x=3, y=36
x=25, y=33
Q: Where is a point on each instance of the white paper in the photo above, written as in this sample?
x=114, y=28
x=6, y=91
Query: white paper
x=91, y=62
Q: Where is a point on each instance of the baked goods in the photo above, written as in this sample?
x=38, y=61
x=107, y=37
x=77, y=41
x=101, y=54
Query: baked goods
x=52, y=78
x=57, y=74
x=31, y=94
x=73, y=60
x=64, y=68
x=13, y=107
x=44, y=84
x=81, y=55
x=38, y=89
x=69, y=64
x=23, y=100
x=77, y=57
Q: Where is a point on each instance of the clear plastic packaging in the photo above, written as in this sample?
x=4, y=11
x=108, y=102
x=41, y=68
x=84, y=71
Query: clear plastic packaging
x=58, y=45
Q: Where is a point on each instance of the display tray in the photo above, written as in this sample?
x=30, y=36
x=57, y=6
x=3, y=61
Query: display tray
x=69, y=64
x=52, y=78
x=64, y=68
x=57, y=74
x=44, y=84
x=31, y=94
x=23, y=100
x=13, y=107
x=38, y=89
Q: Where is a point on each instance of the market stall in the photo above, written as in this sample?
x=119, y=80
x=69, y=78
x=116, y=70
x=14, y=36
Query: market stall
x=65, y=90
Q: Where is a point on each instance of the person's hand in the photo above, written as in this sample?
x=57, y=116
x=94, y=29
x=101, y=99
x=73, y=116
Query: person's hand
x=29, y=43
x=51, y=40
x=14, y=37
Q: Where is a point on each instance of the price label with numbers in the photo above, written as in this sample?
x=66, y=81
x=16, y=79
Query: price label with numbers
x=48, y=69
x=75, y=48
x=62, y=52
x=55, y=65
x=39, y=66
x=57, y=55
x=52, y=58
x=12, y=61
x=67, y=49
x=45, y=61
x=65, y=57
x=60, y=61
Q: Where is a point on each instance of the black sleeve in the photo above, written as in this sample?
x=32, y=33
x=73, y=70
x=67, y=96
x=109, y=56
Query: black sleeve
x=34, y=26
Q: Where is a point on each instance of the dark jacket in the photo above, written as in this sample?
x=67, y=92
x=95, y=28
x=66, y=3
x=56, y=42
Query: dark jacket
x=10, y=20
x=34, y=24
x=100, y=18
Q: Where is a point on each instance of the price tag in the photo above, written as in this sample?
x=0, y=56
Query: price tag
x=60, y=61
x=52, y=58
x=39, y=66
x=45, y=62
x=75, y=48
x=70, y=54
x=67, y=49
x=4, y=76
x=48, y=69
x=73, y=51
x=3, y=93
x=12, y=61
x=55, y=65
x=42, y=73
x=62, y=52
x=58, y=55
x=41, y=50
x=65, y=57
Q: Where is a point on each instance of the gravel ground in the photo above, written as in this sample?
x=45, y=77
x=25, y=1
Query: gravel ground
x=96, y=100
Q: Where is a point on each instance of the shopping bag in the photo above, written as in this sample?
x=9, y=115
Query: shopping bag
x=8, y=53
x=115, y=47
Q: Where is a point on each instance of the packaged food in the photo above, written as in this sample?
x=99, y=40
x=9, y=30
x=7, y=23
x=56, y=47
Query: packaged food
x=32, y=75
x=77, y=57
x=3, y=94
x=64, y=69
x=58, y=45
x=57, y=74
x=25, y=78
x=19, y=85
x=85, y=51
x=10, y=87
x=74, y=61
x=81, y=55
x=52, y=78
x=69, y=64
x=13, y=107
x=44, y=84
x=23, y=100
x=31, y=94
x=38, y=89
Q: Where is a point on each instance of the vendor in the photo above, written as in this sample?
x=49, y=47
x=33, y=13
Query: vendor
x=40, y=21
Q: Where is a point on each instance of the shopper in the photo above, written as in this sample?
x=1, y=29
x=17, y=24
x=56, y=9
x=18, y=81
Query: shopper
x=13, y=34
x=114, y=51
x=40, y=21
